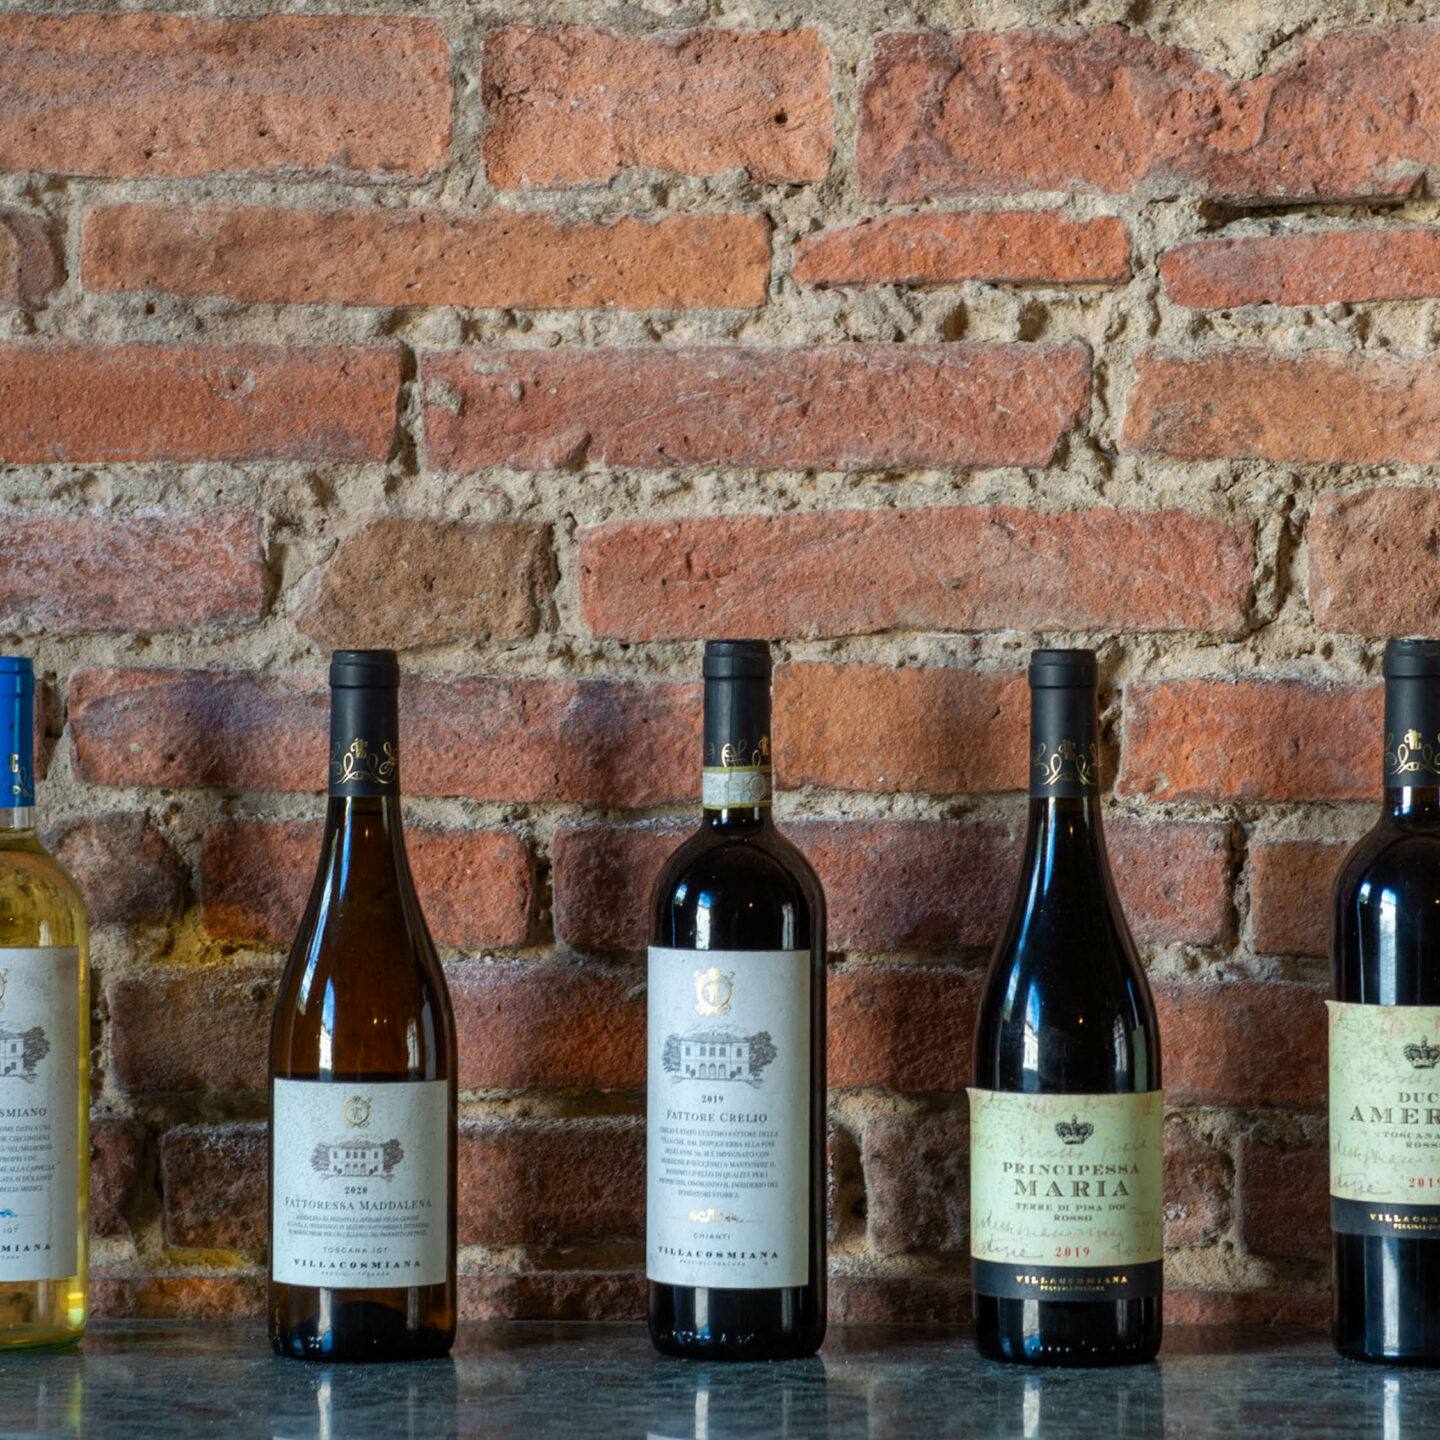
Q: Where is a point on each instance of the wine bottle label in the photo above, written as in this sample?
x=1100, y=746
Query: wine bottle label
x=728, y=1104
x=725, y=789
x=1385, y=1119
x=1067, y=1195
x=39, y=1113
x=361, y=1190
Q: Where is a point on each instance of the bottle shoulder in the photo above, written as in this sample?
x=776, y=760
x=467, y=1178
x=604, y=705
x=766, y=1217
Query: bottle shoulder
x=40, y=902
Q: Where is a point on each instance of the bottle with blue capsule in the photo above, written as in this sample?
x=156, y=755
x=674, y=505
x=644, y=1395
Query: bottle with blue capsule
x=44, y=1056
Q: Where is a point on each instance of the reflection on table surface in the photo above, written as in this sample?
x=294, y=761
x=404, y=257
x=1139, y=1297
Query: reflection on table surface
x=151, y=1378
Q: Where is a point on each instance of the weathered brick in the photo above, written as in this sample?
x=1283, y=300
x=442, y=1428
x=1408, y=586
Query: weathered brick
x=128, y=872
x=117, y=1160
x=394, y=582
x=902, y=1028
x=1105, y=108
x=891, y=884
x=801, y=407
x=1248, y=403
x=844, y=1185
x=493, y=259
x=29, y=268
x=66, y=401
x=1243, y=1043
x=1372, y=561
x=1324, y=268
x=516, y=739
x=957, y=567
x=551, y=1181
x=177, y=1297
x=1015, y=247
x=477, y=887
x=165, y=96
x=1246, y=1307
x=1197, y=1182
x=1284, y=1199
x=1250, y=740
x=917, y=1181
x=573, y=106
x=191, y=1028
x=64, y=573
x=1290, y=884
x=555, y=1295
x=928, y=728
x=526, y=1025
x=213, y=1178
x=867, y=1299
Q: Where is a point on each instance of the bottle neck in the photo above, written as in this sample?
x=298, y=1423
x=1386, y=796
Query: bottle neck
x=17, y=759
x=1064, y=839
x=736, y=782
x=1412, y=751
x=364, y=743
x=364, y=845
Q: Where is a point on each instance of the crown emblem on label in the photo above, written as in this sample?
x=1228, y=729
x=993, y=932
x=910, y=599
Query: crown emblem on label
x=1423, y=1056
x=1074, y=1131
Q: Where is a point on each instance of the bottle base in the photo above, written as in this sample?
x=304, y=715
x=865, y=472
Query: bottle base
x=741, y=1325
x=39, y=1338
x=1075, y=1335
x=361, y=1333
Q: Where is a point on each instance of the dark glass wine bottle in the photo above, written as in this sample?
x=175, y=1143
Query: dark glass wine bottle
x=1066, y=1117
x=362, y=1071
x=735, y=1214
x=1385, y=1041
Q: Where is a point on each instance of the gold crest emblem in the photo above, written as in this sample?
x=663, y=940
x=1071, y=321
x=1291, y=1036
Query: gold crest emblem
x=357, y=1112
x=713, y=989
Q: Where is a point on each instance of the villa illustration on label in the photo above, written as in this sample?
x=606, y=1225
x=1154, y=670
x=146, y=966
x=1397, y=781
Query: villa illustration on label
x=21, y=1052
x=717, y=1055
x=357, y=1159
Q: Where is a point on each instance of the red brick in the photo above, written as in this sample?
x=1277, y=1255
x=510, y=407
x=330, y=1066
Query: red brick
x=1250, y=740
x=555, y=1295
x=1104, y=108
x=520, y=1025
x=394, y=582
x=1243, y=1044
x=1244, y=1307
x=175, y=1297
x=166, y=96
x=571, y=106
x=900, y=1299
x=1251, y=403
x=477, y=887
x=1015, y=247
x=147, y=886
x=511, y=739
x=66, y=573
x=960, y=567
x=917, y=1179
x=214, y=1180
x=891, y=884
x=551, y=1181
x=29, y=268
x=527, y=1025
x=881, y=728
x=191, y=1028
x=902, y=1028
x=802, y=407
x=1372, y=561
x=1290, y=884
x=1284, y=1199
x=1197, y=1184
x=493, y=259
x=65, y=401
x=1324, y=268
x=117, y=1162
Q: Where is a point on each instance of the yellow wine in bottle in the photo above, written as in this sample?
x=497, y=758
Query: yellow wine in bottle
x=44, y=1056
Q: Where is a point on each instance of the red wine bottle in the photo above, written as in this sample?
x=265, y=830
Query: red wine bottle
x=1385, y=1041
x=1066, y=1117
x=362, y=1071
x=735, y=1212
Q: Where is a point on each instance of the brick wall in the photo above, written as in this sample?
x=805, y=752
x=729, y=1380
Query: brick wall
x=544, y=351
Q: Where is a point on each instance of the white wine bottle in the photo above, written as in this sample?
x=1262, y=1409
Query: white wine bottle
x=362, y=1071
x=44, y=1056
